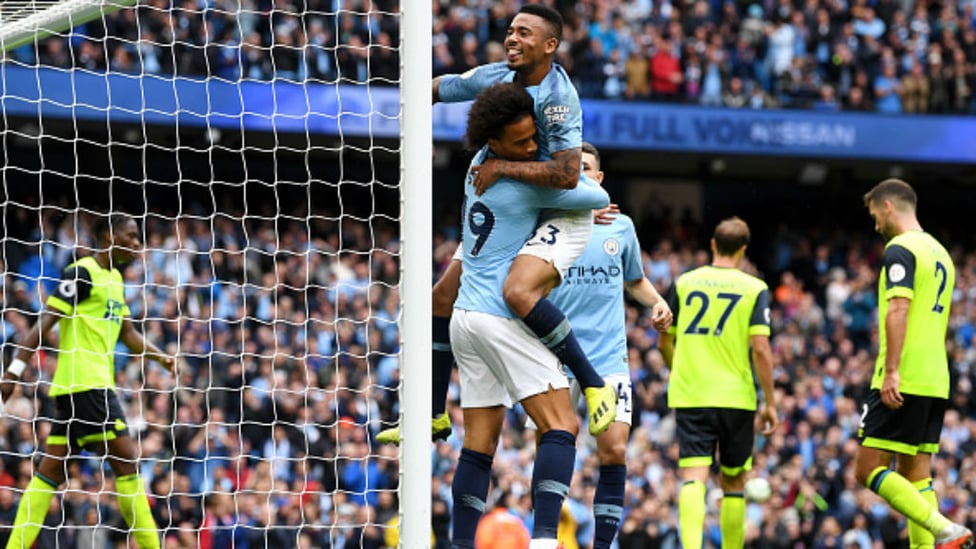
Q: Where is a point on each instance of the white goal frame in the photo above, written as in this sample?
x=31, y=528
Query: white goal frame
x=25, y=21
x=416, y=142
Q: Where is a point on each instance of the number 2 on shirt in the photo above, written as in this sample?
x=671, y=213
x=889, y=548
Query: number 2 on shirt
x=942, y=275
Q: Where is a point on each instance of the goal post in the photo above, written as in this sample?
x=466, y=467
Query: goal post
x=415, y=373
x=25, y=21
x=282, y=187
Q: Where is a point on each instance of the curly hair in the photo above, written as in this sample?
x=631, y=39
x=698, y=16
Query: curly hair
x=496, y=107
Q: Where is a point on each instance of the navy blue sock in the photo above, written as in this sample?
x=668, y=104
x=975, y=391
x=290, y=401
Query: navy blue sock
x=442, y=361
x=549, y=324
x=470, y=490
x=608, y=504
x=553, y=472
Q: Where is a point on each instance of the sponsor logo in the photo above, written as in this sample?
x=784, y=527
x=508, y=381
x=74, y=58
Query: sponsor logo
x=113, y=311
x=556, y=113
x=591, y=274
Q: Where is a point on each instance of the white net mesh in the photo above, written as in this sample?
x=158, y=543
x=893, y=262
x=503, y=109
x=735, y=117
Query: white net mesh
x=247, y=139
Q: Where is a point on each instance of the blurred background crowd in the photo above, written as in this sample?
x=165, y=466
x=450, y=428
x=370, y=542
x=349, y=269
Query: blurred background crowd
x=889, y=56
x=287, y=336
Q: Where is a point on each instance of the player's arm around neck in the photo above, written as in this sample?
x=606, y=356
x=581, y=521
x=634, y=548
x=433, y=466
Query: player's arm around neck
x=762, y=358
x=560, y=172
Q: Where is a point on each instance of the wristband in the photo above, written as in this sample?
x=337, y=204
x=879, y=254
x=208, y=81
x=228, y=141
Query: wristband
x=16, y=367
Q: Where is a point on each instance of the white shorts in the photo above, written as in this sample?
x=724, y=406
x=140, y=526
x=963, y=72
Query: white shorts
x=560, y=237
x=500, y=362
x=625, y=394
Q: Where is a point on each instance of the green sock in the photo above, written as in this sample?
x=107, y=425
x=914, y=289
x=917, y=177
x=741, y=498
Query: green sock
x=905, y=498
x=134, y=506
x=691, y=513
x=918, y=536
x=31, y=512
x=732, y=520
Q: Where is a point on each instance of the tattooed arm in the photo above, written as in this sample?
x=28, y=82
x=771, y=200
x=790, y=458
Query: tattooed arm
x=561, y=172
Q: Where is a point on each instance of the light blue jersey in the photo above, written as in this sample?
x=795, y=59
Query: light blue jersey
x=497, y=224
x=592, y=294
x=558, y=115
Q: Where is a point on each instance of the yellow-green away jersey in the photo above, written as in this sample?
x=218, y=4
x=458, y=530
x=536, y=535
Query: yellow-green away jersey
x=92, y=300
x=717, y=310
x=917, y=267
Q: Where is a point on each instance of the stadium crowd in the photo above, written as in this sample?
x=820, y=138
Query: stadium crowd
x=287, y=337
x=889, y=56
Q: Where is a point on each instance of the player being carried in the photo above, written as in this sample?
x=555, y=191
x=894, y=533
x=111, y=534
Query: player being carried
x=592, y=296
x=89, y=306
x=560, y=235
x=500, y=362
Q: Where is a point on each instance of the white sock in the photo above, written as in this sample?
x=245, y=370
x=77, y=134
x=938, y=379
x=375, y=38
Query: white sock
x=543, y=544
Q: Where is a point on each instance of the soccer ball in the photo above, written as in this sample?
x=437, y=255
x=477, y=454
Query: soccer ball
x=501, y=530
x=758, y=490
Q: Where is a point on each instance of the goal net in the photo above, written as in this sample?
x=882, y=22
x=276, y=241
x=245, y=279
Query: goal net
x=257, y=145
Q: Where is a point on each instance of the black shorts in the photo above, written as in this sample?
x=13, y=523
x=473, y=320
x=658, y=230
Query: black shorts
x=701, y=430
x=913, y=428
x=85, y=418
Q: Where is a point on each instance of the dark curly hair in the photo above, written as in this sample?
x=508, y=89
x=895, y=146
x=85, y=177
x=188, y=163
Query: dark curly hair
x=496, y=107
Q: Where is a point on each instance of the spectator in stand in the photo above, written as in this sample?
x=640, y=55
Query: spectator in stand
x=712, y=79
x=828, y=100
x=666, y=74
x=636, y=75
x=759, y=99
x=856, y=101
x=915, y=89
x=781, y=37
x=780, y=45
x=888, y=90
x=866, y=23
x=735, y=96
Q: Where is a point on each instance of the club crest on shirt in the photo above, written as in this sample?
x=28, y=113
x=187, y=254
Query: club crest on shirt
x=611, y=246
